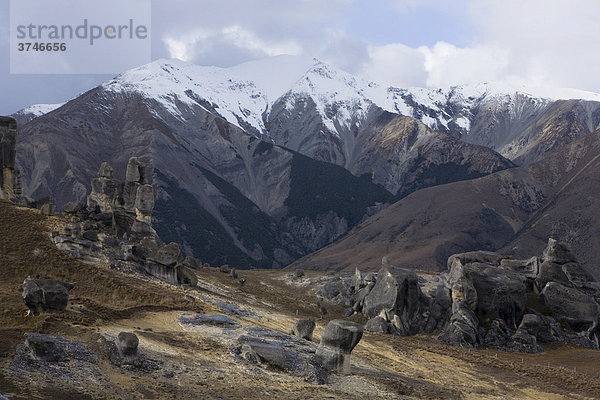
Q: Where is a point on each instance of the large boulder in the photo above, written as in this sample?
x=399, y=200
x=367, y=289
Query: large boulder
x=127, y=343
x=575, y=310
x=491, y=292
x=186, y=275
x=337, y=342
x=47, y=295
x=377, y=325
x=397, y=298
x=51, y=348
x=168, y=255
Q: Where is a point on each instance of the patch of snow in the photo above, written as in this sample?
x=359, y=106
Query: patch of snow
x=40, y=109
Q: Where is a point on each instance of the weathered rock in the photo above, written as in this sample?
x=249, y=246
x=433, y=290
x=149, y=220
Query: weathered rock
x=574, y=309
x=559, y=253
x=489, y=291
x=225, y=268
x=540, y=328
x=192, y=262
x=337, y=342
x=91, y=235
x=377, y=325
x=523, y=342
x=51, y=348
x=486, y=257
x=299, y=273
x=528, y=268
x=396, y=295
x=550, y=272
x=304, y=328
x=144, y=200
x=136, y=171
x=106, y=171
x=186, y=276
x=463, y=328
x=127, y=343
x=233, y=273
x=168, y=255
x=48, y=295
x=219, y=320
x=73, y=207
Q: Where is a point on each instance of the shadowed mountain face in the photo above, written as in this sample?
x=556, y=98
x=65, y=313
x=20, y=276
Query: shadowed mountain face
x=515, y=210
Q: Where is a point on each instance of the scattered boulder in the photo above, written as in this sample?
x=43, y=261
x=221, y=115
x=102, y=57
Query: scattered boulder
x=224, y=268
x=50, y=348
x=127, y=343
x=299, y=273
x=233, y=273
x=47, y=295
x=192, y=262
x=337, y=342
x=168, y=255
x=186, y=275
x=304, y=328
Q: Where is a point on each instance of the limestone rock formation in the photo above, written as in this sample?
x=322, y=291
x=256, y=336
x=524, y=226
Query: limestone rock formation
x=47, y=295
x=337, y=342
x=8, y=152
x=116, y=223
x=485, y=299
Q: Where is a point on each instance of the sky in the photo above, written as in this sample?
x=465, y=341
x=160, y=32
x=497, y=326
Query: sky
x=425, y=43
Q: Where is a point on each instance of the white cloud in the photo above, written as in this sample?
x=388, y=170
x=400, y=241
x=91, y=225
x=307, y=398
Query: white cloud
x=396, y=64
x=448, y=65
x=197, y=43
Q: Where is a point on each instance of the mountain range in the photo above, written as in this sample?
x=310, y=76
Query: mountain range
x=263, y=163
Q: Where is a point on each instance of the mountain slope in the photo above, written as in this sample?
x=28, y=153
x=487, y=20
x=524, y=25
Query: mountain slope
x=516, y=210
x=219, y=191
x=243, y=146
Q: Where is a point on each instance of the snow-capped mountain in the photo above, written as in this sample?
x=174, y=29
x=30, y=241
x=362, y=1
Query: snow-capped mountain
x=503, y=117
x=37, y=110
x=261, y=163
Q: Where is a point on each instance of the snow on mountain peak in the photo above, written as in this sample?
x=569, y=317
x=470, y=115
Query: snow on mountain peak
x=245, y=92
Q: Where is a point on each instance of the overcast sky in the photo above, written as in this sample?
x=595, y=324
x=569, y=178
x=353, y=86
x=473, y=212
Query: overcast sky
x=401, y=42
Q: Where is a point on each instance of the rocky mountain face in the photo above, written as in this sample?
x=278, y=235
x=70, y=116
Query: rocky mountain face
x=232, y=195
x=513, y=210
x=262, y=163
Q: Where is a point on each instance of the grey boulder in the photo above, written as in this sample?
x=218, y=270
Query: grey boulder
x=304, y=328
x=127, y=343
x=337, y=342
x=47, y=295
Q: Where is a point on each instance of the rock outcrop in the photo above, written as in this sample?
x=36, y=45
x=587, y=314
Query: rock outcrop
x=514, y=304
x=485, y=299
x=116, y=223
